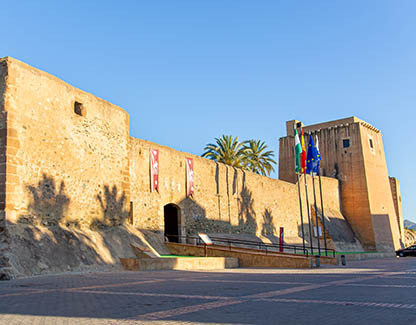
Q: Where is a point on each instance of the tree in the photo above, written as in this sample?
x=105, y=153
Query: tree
x=250, y=155
x=227, y=150
x=257, y=159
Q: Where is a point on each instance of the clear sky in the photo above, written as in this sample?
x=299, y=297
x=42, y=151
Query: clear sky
x=190, y=71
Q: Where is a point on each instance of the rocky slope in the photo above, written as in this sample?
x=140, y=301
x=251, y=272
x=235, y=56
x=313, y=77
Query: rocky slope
x=410, y=224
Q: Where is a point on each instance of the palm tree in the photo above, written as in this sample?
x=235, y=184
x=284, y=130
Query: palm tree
x=257, y=159
x=227, y=150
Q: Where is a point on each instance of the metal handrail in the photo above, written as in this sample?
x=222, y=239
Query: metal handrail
x=268, y=248
x=261, y=246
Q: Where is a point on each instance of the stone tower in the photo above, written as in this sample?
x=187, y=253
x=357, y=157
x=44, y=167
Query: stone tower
x=352, y=151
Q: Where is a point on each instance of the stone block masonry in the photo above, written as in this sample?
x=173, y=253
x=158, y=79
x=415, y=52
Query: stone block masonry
x=75, y=186
x=353, y=152
x=60, y=168
x=226, y=200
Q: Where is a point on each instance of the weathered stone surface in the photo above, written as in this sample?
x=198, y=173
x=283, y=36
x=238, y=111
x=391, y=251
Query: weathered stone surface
x=360, y=165
x=40, y=249
x=226, y=200
x=72, y=181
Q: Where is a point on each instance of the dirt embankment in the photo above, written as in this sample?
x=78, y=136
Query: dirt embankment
x=36, y=250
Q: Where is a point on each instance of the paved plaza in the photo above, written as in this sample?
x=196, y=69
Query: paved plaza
x=365, y=292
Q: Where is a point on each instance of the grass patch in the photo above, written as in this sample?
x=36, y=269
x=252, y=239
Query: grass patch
x=349, y=253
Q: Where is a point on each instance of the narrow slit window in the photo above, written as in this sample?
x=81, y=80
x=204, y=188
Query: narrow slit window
x=79, y=109
x=371, y=144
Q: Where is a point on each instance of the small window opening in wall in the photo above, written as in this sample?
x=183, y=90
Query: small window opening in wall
x=346, y=143
x=79, y=109
x=371, y=144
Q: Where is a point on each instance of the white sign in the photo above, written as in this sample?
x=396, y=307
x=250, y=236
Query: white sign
x=314, y=232
x=205, y=238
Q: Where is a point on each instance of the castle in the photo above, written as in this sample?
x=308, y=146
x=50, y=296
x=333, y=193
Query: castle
x=76, y=188
x=354, y=154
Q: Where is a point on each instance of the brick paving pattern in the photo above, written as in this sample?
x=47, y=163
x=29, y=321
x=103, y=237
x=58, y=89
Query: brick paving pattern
x=365, y=292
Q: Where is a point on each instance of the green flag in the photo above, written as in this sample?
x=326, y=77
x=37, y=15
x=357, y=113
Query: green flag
x=298, y=150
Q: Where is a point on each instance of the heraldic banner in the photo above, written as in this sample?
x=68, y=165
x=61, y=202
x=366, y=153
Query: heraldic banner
x=154, y=170
x=189, y=177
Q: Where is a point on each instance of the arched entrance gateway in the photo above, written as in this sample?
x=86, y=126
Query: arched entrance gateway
x=172, y=218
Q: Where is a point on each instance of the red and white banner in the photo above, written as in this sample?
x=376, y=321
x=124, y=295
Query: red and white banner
x=189, y=177
x=154, y=170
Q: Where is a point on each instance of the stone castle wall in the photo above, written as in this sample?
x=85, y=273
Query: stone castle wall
x=383, y=214
x=84, y=170
x=63, y=167
x=71, y=175
x=226, y=200
x=366, y=198
x=397, y=200
x=4, y=235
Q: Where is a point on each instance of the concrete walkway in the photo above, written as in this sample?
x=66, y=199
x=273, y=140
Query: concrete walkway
x=364, y=292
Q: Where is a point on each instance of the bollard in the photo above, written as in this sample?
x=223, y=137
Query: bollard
x=310, y=262
x=343, y=260
x=318, y=260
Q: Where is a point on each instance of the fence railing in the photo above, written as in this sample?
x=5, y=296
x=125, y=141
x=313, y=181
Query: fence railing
x=232, y=243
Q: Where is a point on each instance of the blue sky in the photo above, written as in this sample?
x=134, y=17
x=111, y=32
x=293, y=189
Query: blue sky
x=190, y=71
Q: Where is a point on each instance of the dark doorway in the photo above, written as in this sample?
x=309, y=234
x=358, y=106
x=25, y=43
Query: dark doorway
x=172, y=222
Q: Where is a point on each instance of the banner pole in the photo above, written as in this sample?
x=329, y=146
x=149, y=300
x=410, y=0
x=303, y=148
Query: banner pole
x=309, y=215
x=316, y=214
x=301, y=215
x=323, y=216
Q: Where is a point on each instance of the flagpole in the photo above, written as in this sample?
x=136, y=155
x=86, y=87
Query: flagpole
x=309, y=216
x=301, y=215
x=323, y=216
x=316, y=213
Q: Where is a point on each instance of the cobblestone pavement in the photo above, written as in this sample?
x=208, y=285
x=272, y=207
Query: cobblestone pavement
x=365, y=292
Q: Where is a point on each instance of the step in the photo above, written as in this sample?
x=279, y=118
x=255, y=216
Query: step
x=179, y=263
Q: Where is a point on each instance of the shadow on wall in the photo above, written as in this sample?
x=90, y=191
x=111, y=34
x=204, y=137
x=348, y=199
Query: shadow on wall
x=192, y=208
x=307, y=234
x=197, y=221
x=45, y=242
x=383, y=235
x=268, y=229
x=339, y=233
x=48, y=205
x=246, y=213
x=338, y=228
x=113, y=208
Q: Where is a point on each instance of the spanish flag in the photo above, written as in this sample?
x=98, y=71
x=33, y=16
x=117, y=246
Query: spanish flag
x=303, y=154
